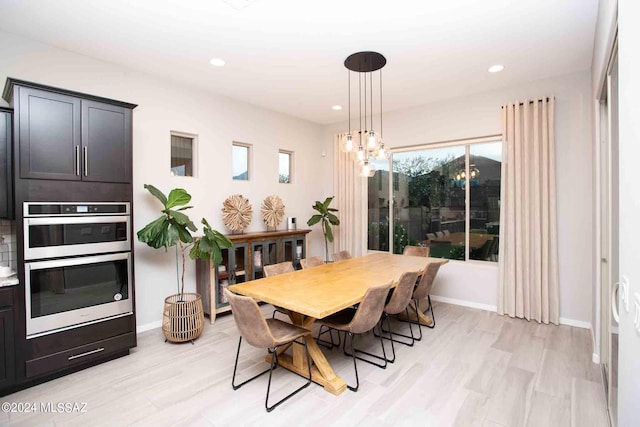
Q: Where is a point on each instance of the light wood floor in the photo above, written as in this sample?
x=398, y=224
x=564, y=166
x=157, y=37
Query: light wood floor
x=474, y=369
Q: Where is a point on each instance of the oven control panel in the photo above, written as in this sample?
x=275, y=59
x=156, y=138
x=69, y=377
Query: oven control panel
x=34, y=209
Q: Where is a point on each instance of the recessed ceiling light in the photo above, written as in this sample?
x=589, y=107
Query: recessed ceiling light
x=337, y=107
x=217, y=62
x=496, y=68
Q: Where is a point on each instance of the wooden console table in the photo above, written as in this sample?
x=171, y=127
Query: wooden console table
x=244, y=263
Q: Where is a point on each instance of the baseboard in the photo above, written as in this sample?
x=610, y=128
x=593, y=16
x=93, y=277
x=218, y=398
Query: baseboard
x=149, y=326
x=487, y=307
x=577, y=323
x=464, y=303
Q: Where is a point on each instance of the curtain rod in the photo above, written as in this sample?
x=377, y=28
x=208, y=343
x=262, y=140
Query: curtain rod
x=537, y=100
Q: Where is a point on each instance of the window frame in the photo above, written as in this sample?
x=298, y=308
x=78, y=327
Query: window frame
x=291, y=163
x=194, y=152
x=467, y=142
x=249, y=148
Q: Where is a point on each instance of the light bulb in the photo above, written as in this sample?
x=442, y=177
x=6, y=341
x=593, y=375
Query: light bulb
x=382, y=153
x=365, y=169
x=473, y=174
x=371, y=142
x=361, y=153
x=348, y=145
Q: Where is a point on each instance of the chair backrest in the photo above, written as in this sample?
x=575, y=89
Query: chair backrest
x=250, y=321
x=439, y=234
x=402, y=293
x=431, y=236
x=275, y=269
x=339, y=256
x=446, y=232
x=370, y=309
x=495, y=247
x=314, y=261
x=416, y=251
x=426, y=281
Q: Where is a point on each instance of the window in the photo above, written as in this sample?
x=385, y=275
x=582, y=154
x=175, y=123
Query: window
x=446, y=197
x=183, y=154
x=285, y=160
x=241, y=156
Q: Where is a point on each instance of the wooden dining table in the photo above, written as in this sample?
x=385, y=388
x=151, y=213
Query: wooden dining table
x=318, y=292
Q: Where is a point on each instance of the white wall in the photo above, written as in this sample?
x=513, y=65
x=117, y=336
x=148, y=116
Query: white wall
x=629, y=106
x=164, y=106
x=480, y=115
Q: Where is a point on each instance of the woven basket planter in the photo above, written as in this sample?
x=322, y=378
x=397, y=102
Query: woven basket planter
x=183, y=317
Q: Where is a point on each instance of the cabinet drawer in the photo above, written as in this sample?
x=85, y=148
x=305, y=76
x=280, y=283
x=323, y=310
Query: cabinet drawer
x=6, y=297
x=78, y=355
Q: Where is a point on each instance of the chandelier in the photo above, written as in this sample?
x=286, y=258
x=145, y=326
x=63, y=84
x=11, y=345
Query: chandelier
x=474, y=172
x=366, y=144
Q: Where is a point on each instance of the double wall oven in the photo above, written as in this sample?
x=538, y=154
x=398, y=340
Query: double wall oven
x=77, y=264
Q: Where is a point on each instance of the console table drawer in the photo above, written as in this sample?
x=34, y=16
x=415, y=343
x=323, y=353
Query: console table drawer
x=78, y=355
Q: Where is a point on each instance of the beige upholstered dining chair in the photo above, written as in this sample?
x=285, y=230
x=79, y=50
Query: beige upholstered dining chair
x=423, y=290
x=339, y=256
x=416, y=251
x=264, y=333
x=358, y=321
x=273, y=270
x=280, y=268
x=311, y=262
x=398, y=303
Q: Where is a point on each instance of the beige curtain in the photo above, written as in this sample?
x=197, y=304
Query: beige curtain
x=350, y=191
x=528, y=285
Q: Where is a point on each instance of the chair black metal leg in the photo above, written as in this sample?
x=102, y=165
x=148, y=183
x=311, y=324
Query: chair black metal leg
x=383, y=357
x=274, y=359
x=388, y=331
x=326, y=343
x=273, y=315
x=355, y=365
x=433, y=316
x=235, y=368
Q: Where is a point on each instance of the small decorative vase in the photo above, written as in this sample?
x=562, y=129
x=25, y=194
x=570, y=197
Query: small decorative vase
x=183, y=317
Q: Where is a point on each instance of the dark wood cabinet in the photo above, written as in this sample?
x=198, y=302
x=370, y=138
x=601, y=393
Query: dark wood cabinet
x=106, y=142
x=7, y=348
x=6, y=153
x=64, y=135
x=49, y=138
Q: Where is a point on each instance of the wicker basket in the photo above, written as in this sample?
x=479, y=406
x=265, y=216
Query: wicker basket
x=183, y=317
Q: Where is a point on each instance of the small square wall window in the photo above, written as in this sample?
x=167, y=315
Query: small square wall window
x=285, y=167
x=241, y=157
x=183, y=149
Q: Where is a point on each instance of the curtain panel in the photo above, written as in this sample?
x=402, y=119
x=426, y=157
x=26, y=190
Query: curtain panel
x=350, y=190
x=528, y=286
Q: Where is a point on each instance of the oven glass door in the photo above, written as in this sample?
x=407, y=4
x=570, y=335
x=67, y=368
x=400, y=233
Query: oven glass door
x=70, y=236
x=72, y=291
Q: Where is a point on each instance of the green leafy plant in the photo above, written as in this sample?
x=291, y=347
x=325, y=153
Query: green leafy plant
x=327, y=218
x=173, y=229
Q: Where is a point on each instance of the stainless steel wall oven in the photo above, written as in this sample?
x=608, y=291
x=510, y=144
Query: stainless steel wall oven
x=77, y=264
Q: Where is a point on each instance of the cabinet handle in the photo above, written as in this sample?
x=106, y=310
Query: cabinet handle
x=86, y=162
x=97, y=350
x=78, y=160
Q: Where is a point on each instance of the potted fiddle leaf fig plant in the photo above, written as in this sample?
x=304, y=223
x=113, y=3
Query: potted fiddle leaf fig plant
x=327, y=218
x=183, y=316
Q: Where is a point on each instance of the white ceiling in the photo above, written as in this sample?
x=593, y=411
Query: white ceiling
x=288, y=55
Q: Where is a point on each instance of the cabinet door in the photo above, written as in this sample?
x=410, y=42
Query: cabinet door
x=49, y=135
x=294, y=250
x=6, y=181
x=106, y=142
x=7, y=371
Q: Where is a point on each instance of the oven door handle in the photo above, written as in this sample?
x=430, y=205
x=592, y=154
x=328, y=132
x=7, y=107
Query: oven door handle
x=66, y=262
x=76, y=220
